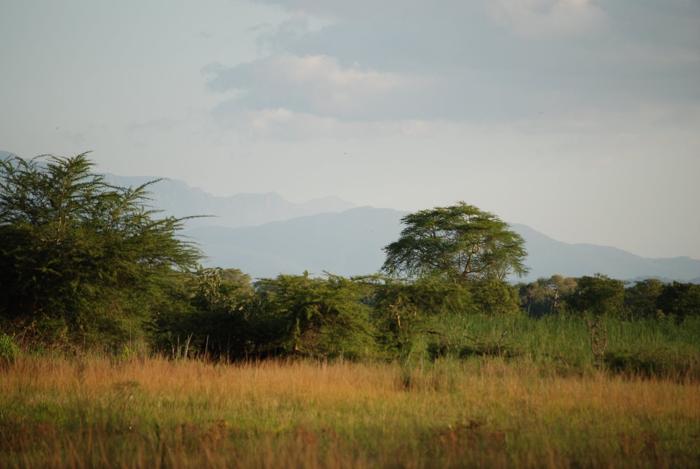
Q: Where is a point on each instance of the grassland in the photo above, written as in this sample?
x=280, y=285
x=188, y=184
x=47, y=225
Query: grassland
x=152, y=412
x=561, y=344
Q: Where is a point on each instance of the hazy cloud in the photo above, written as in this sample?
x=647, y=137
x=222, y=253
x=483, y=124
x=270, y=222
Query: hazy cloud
x=315, y=84
x=541, y=18
x=478, y=61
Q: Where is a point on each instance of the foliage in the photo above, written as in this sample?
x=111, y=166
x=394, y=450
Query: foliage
x=407, y=312
x=648, y=363
x=598, y=294
x=642, y=298
x=680, y=300
x=319, y=317
x=494, y=297
x=77, y=250
x=402, y=309
x=211, y=317
x=458, y=242
x=9, y=351
x=425, y=296
x=547, y=296
x=222, y=290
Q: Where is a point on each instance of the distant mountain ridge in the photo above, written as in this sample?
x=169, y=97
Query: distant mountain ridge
x=265, y=234
x=547, y=256
x=176, y=198
x=351, y=243
x=346, y=243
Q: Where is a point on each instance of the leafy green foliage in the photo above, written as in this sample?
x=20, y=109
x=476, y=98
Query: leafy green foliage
x=321, y=317
x=222, y=290
x=9, y=351
x=77, y=250
x=495, y=296
x=642, y=299
x=547, y=296
x=458, y=242
x=599, y=295
x=680, y=300
x=212, y=317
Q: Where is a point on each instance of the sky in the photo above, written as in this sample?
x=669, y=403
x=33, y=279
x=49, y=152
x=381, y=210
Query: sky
x=580, y=118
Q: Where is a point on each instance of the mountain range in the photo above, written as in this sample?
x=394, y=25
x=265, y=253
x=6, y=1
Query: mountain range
x=177, y=198
x=265, y=234
x=351, y=242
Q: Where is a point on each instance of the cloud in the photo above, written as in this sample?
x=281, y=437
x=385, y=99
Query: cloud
x=481, y=61
x=538, y=17
x=547, y=18
x=312, y=84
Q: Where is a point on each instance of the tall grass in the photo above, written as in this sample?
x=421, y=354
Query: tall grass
x=151, y=412
x=561, y=344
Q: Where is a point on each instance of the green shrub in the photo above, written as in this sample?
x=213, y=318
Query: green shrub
x=680, y=300
x=642, y=298
x=493, y=296
x=546, y=295
x=315, y=317
x=599, y=295
x=9, y=351
x=210, y=316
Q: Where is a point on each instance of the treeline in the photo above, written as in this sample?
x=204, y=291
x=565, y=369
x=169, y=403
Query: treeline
x=600, y=294
x=377, y=316
x=84, y=265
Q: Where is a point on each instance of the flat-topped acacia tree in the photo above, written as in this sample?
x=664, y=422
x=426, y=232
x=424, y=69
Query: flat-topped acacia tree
x=77, y=249
x=460, y=242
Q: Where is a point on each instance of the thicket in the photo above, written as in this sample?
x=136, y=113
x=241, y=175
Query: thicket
x=84, y=264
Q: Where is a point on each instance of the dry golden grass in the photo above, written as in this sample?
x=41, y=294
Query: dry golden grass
x=91, y=412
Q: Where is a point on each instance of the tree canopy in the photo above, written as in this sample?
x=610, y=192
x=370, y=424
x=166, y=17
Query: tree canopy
x=72, y=245
x=598, y=294
x=460, y=242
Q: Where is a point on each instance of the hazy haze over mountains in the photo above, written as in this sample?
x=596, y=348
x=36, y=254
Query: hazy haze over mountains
x=351, y=242
x=177, y=198
x=264, y=235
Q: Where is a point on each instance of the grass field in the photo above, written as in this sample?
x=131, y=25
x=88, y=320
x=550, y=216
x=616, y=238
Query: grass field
x=151, y=412
x=562, y=344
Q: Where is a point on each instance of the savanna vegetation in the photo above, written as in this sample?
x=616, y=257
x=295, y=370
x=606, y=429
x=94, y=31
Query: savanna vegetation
x=118, y=349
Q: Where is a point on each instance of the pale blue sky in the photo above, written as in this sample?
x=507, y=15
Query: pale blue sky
x=580, y=118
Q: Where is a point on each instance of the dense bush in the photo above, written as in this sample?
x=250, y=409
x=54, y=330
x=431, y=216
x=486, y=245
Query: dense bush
x=80, y=253
x=680, y=300
x=598, y=294
x=642, y=298
x=322, y=317
x=211, y=317
x=495, y=297
x=547, y=296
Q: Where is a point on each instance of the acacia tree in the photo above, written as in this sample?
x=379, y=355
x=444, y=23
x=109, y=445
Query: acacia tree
x=460, y=242
x=75, y=248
